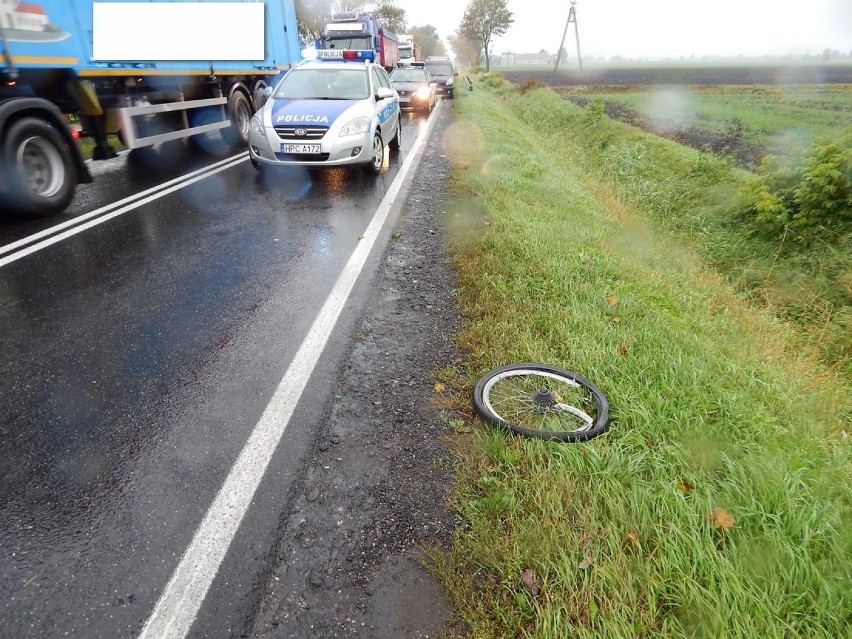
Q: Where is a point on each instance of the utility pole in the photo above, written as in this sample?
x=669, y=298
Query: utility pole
x=572, y=17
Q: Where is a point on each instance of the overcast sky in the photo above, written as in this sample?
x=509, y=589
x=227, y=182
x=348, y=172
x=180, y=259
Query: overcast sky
x=660, y=28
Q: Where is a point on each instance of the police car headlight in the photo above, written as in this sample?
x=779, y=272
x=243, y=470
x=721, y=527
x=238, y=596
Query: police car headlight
x=450, y=82
x=358, y=125
x=422, y=92
x=255, y=125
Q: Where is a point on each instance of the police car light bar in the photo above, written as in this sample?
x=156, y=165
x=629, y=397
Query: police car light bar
x=346, y=54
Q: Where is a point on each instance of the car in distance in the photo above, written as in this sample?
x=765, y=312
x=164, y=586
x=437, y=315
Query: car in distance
x=415, y=86
x=339, y=110
x=443, y=72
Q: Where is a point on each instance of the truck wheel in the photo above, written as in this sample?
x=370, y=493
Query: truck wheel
x=239, y=112
x=44, y=176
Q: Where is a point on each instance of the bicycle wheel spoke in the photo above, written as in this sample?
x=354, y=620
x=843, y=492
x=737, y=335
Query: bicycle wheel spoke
x=543, y=401
x=512, y=400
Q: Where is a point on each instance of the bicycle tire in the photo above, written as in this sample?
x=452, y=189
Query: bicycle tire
x=539, y=401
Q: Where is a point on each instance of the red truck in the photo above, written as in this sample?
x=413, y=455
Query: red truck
x=360, y=31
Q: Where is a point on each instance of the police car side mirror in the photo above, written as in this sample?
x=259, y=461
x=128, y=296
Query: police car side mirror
x=383, y=93
x=266, y=92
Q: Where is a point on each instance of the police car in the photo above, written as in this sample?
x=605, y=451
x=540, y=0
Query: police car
x=338, y=110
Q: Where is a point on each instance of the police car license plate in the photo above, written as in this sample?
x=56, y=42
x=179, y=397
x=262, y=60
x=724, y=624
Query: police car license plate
x=404, y=100
x=301, y=148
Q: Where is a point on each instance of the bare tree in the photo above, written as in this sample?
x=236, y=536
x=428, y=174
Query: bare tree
x=467, y=51
x=391, y=16
x=339, y=6
x=309, y=22
x=428, y=39
x=483, y=20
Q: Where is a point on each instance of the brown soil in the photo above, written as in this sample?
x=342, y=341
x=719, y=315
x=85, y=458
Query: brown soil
x=732, y=142
x=764, y=74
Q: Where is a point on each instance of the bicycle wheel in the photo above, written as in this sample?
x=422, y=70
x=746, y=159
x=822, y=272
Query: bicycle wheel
x=542, y=401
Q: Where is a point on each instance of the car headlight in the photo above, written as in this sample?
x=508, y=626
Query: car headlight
x=450, y=82
x=255, y=125
x=422, y=92
x=358, y=125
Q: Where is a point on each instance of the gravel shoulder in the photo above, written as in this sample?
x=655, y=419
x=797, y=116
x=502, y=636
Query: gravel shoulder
x=375, y=488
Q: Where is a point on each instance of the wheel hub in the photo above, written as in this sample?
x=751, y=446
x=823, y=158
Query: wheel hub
x=544, y=398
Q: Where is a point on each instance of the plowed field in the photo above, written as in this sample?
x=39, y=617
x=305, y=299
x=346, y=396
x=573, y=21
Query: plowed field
x=826, y=74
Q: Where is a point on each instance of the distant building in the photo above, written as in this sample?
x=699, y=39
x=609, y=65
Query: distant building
x=532, y=58
x=513, y=59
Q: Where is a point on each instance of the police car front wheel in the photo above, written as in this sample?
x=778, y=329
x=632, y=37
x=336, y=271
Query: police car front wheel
x=378, y=155
x=396, y=143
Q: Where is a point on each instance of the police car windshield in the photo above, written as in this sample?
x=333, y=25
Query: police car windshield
x=324, y=84
x=408, y=75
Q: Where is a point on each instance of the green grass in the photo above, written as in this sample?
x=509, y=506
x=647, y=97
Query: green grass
x=562, y=234
x=693, y=193
x=777, y=118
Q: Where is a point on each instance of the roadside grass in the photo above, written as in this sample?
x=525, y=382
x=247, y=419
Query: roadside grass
x=693, y=194
x=718, y=503
x=776, y=118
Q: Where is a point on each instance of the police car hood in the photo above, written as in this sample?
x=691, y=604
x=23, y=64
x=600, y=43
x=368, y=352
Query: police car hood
x=310, y=112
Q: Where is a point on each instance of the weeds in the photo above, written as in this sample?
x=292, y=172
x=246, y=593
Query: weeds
x=808, y=194
x=716, y=504
x=528, y=84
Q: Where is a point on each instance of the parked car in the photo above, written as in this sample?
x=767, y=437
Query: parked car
x=443, y=72
x=336, y=111
x=415, y=86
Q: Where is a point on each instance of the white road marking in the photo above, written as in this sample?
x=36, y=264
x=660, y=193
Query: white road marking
x=103, y=214
x=180, y=601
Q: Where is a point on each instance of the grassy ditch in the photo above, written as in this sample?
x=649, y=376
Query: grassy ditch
x=743, y=121
x=718, y=503
x=695, y=195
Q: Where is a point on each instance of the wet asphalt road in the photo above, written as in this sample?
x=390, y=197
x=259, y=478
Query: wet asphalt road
x=137, y=357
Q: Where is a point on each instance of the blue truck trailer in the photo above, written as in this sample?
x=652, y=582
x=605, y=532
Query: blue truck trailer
x=51, y=72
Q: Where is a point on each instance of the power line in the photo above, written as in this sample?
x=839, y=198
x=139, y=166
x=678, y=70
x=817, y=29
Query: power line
x=572, y=17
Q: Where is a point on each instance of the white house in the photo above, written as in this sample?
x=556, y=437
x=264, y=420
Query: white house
x=512, y=59
x=26, y=16
x=532, y=58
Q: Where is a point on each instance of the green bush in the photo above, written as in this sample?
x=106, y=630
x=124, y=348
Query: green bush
x=492, y=80
x=808, y=193
x=594, y=110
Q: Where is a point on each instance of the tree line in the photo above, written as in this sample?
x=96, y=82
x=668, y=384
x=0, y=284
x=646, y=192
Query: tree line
x=483, y=21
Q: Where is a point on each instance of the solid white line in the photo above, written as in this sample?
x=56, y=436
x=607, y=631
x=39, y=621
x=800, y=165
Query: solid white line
x=159, y=192
x=104, y=209
x=179, y=604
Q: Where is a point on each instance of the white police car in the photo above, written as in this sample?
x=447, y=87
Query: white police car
x=339, y=110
